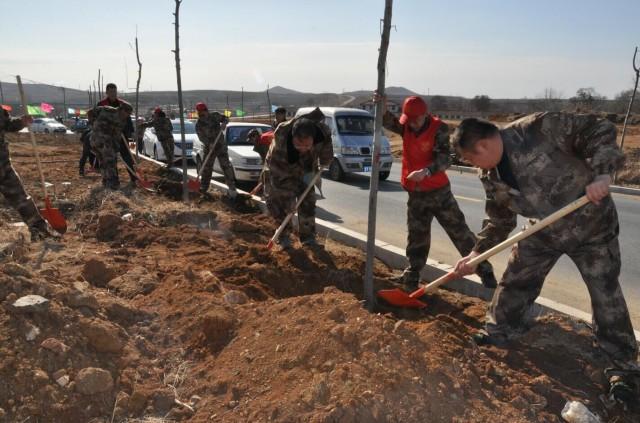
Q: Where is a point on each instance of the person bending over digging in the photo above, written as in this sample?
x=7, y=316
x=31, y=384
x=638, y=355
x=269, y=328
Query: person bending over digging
x=301, y=147
x=208, y=127
x=11, y=185
x=105, y=139
x=426, y=155
x=164, y=131
x=533, y=167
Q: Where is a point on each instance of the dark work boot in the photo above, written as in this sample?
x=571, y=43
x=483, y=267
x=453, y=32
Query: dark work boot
x=485, y=271
x=410, y=279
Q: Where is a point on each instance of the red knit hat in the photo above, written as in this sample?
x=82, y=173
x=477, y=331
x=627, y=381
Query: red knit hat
x=201, y=107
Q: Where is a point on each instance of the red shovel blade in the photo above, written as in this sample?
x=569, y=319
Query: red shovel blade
x=270, y=244
x=399, y=298
x=193, y=185
x=54, y=217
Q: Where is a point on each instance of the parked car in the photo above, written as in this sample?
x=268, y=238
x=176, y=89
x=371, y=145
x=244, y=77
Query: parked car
x=48, y=125
x=246, y=163
x=78, y=125
x=352, y=136
x=153, y=148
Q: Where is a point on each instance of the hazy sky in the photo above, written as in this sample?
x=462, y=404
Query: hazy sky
x=502, y=48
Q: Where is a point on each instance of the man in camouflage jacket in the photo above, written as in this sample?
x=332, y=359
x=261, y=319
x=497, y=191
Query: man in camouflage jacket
x=105, y=140
x=11, y=185
x=533, y=167
x=209, y=132
x=301, y=147
x=164, y=131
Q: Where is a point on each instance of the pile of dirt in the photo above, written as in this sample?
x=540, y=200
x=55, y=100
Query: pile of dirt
x=154, y=309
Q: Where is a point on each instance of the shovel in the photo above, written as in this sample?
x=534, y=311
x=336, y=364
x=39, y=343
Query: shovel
x=286, y=220
x=51, y=215
x=142, y=181
x=194, y=184
x=399, y=298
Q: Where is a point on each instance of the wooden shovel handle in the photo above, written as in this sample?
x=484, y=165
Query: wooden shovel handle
x=510, y=241
x=290, y=215
x=32, y=136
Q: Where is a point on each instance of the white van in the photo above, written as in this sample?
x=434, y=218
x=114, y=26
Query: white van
x=352, y=135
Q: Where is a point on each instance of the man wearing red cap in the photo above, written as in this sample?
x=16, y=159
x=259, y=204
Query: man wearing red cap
x=164, y=131
x=426, y=154
x=209, y=132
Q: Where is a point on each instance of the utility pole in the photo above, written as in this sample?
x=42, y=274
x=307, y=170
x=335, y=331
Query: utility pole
x=64, y=103
x=185, y=190
x=369, y=296
x=268, y=102
x=1, y=94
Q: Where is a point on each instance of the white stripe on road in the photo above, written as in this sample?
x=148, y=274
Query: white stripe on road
x=460, y=197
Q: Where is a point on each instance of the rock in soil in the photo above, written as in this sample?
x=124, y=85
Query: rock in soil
x=92, y=380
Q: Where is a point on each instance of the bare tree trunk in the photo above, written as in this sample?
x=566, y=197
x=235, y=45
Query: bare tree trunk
x=136, y=129
x=95, y=94
x=90, y=99
x=369, y=296
x=626, y=118
x=99, y=87
x=185, y=190
x=242, y=102
x=268, y=102
x=1, y=94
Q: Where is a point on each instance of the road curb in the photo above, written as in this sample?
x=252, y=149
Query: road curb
x=394, y=257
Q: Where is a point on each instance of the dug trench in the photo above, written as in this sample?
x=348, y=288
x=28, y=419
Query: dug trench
x=156, y=309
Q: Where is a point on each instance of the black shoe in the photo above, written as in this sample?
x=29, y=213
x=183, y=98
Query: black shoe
x=489, y=280
x=410, y=279
x=482, y=337
x=623, y=385
x=42, y=230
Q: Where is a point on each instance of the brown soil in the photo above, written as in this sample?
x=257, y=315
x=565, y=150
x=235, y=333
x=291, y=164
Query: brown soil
x=182, y=314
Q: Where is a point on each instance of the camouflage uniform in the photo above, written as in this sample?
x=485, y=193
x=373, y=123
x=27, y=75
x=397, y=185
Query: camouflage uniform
x=423, y=206
x=207, y=129
x=284, y=172
x=105, y=142
x=553, y=157
x=10, y=183
x=164, y=132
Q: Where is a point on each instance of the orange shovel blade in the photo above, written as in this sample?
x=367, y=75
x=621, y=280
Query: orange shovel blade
x=54, y=217
x=399, y=298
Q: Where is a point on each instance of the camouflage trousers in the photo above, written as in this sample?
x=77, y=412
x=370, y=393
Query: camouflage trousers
x=106, y=149
x=281, y=199
x=13, y=191
x=595, y=251
x=222, y=154
x=422, y=207
x=168, y=146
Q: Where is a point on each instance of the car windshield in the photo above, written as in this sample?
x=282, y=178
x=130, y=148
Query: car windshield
x=189, y=127
x=355, y=125
x=237, y=135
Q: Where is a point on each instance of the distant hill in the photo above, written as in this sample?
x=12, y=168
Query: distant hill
x=390, y=91
x=282, y=90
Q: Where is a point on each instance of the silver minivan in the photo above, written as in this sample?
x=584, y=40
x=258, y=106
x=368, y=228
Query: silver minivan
x=352, y=135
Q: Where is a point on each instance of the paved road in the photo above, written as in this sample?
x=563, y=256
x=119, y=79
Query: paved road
x=346, y=203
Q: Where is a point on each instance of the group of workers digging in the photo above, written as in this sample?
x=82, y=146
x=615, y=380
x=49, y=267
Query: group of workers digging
x=532, y=167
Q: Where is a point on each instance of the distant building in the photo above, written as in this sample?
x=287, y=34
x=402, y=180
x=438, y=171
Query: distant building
x=370, y=107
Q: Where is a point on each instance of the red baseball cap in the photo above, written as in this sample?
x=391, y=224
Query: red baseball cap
x=157, y=110
x=201, y=107
x=412, y=107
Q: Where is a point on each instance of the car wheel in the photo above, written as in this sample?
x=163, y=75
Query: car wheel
x=335, y=171
x=46, y=131
x=383, y=175
x=155, y=152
